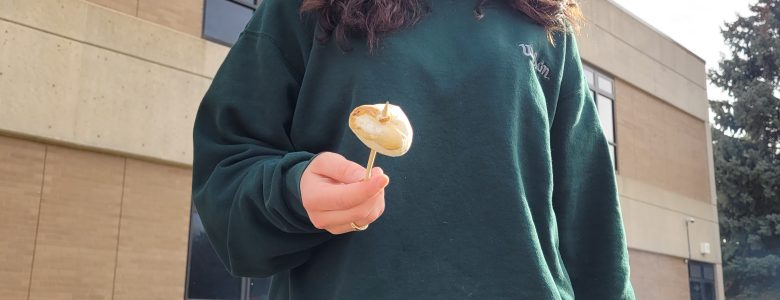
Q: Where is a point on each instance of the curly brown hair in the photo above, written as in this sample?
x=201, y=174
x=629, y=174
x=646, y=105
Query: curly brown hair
x=342, y=19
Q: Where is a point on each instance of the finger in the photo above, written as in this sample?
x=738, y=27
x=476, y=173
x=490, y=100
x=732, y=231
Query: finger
x=346, y=196
x=340, y=229
x=338, y=196
x=337, y=167
x=326, y=219
x=374, y=214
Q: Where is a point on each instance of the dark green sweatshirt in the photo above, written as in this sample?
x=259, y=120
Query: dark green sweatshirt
x=508, y=191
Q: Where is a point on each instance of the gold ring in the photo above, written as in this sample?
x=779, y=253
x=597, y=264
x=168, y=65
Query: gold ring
x=358, y=228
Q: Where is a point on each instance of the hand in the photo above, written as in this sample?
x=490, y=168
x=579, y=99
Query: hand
x=334, y=193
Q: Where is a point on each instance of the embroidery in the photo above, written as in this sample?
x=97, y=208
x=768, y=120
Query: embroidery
x=539, y=65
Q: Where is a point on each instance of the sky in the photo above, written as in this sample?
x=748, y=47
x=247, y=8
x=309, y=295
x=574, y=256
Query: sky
x=695, y=24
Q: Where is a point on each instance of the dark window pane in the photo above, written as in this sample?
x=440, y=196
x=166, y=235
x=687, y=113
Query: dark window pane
x=223, y=20
x=694, y=270
x=207, y=278
x=258, y=289
x=708, y=291
x=708, y=271
x=695, y=291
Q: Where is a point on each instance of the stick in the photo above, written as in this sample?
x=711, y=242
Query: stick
x=372, y=156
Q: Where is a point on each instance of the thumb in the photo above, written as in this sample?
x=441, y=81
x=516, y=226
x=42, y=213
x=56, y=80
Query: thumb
x=353, y=194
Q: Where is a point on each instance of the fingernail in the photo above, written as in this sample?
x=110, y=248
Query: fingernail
x=383, y=180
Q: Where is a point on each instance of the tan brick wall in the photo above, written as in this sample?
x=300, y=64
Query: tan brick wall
x=154, y=232
x=109, y=227
x=75, y=250
x=21, y=172
x=658, y=277
x=182, y=15
x=660, y=145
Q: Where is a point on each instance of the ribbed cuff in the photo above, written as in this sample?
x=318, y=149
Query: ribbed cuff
x=294, y=175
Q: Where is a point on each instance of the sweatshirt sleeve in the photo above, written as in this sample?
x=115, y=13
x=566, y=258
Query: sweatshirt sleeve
x=585, y=196
x=246, y=168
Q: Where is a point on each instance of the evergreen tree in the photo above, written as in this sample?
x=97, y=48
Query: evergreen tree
x=746, y=144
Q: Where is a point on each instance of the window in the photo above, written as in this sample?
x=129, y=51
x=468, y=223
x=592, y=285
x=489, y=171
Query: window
x=702, y=280
x=601, y=87
x=223, y=20
x=207, y=278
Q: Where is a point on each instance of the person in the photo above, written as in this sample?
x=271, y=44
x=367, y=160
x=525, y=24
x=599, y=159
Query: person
x=508, y=191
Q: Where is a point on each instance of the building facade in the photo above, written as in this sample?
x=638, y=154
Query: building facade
x=98, y=99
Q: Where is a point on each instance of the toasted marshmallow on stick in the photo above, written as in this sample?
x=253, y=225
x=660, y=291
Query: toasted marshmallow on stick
x=383, y=128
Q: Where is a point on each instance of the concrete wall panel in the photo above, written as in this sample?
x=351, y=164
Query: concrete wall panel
x=59, y=89
x=87, y=23
x=129, y=7
x=661, y=230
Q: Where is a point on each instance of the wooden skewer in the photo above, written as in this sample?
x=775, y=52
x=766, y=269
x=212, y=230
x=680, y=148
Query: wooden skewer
x=370, y=165
x=372, y=156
